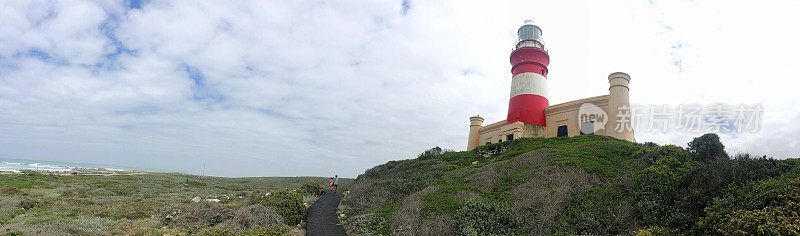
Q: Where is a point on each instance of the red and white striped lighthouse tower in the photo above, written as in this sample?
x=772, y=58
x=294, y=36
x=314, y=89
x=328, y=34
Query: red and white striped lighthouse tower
x=529, y=60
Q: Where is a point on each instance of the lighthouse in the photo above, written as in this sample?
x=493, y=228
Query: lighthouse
x=529, y=60
x=530, y=113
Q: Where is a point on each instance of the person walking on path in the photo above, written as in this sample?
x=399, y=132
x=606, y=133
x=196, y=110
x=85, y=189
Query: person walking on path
x=335, y=182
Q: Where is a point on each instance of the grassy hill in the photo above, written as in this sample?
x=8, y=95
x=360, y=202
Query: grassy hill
x=50, y=204
x=577, y=185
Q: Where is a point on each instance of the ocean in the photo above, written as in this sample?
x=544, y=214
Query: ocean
x=17, y=165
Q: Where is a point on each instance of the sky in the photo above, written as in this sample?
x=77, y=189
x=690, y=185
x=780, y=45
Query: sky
x=299, y=88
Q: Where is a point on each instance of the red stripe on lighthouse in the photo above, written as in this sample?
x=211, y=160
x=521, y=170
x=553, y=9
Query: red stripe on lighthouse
x=528, y=108
x=529, y=66
x=530, y=54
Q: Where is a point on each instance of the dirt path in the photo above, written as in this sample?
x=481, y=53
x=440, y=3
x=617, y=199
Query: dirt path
x=322, y=218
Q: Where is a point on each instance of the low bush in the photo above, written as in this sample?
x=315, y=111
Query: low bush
x=23, y=183
x=767, y=207
x=9, y=191
x=275, y=231
x=596, y=212
x=201, y=215
x=439, y=203
x=310, y=188
x=288, y=204
x=479, y=218
x=598, y=155
x=659, y=193
x=28, y=204
x=252, y=217
x=433, y=153
x=9, y=212
x=370, y=224
x=675, y=189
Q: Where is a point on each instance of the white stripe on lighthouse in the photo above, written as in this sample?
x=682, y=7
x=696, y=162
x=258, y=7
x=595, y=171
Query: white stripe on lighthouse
x=529, y=83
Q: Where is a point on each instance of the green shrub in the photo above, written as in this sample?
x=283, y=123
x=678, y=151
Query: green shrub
x=707, y=148
x=310, y=188
x=23, y=183
x=9, y=213
x=439, y=203
x=28, y=204
x=597, y=212
x=9, y=191
x=659, y=194
x=674, y=190
x=478, y=218
x=767, y=207
x=650, y=153
x=370, y=224
x=13, y=233
x=433, y=153
x=288, y=204
x=108, y=183
x=378, y=222
x=597, y=154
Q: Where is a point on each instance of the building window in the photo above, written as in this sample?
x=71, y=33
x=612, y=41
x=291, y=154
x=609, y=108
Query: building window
x=562, y=131
x=500, y=140
x=587, y=128
x=510, y=137
x=487, y=143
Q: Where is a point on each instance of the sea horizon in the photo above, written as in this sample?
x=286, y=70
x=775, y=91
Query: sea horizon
x=18, y=165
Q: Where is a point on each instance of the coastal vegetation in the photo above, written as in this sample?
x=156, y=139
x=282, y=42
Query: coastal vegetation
x=583, y=185
x=33, y=203
x=578, y=185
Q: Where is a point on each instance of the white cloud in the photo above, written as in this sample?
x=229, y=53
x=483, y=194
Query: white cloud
x=299, y=88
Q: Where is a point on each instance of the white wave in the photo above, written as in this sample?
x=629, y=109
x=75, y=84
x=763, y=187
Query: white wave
x=7, y=166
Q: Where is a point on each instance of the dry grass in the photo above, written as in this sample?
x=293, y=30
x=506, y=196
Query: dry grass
x=405, y=220
x=486, y=177
x=440, y=225
x=466, y=195
x=201, y=215
x=540, y=199
x=255, y=216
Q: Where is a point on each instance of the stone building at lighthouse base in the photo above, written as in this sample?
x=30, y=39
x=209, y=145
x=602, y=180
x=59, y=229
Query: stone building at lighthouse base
x=601, y=115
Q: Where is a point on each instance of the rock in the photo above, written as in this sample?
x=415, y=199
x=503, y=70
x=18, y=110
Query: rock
x=212, y=200
x=196, y=199
x=168, y=217
x=475, y=162
x=341, y=215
